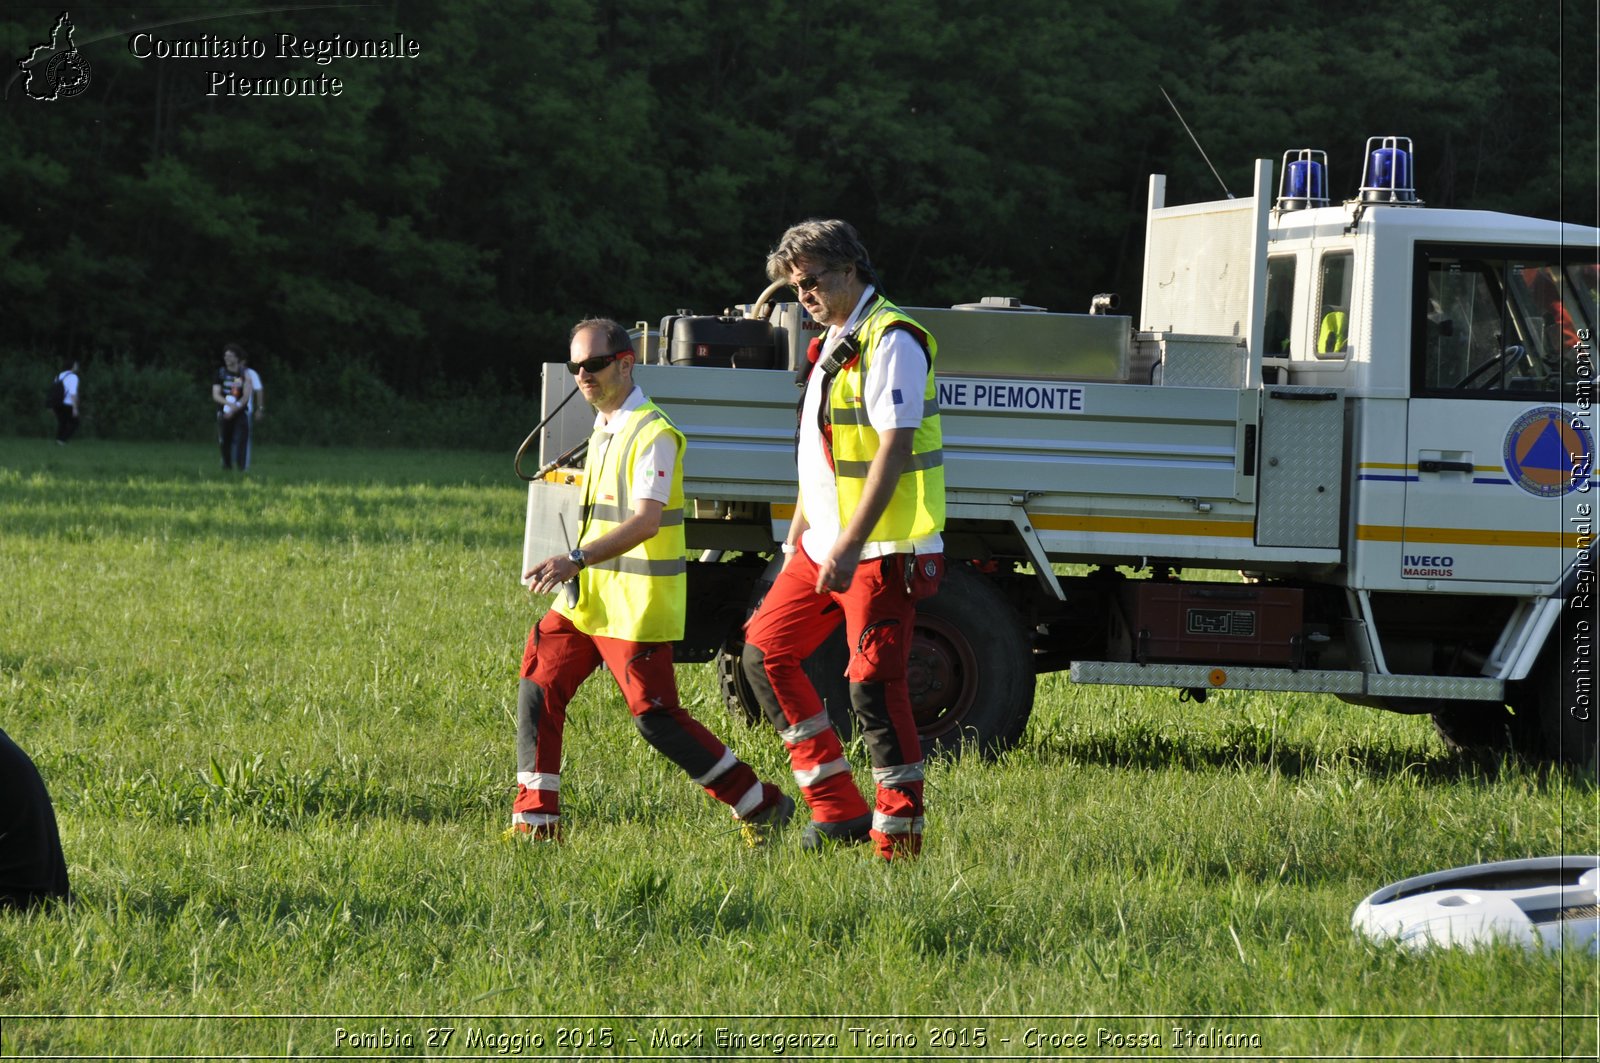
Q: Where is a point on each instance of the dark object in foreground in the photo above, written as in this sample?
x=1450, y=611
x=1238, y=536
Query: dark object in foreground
x=32, y=868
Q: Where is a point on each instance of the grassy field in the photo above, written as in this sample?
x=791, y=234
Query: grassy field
x=274, y=712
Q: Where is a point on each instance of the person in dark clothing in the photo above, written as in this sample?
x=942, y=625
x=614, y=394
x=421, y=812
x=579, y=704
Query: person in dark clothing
x=230, y=390
x=32, y=868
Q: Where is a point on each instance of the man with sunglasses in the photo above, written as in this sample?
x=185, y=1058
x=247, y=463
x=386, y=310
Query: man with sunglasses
x=864, y=545
x=629, y=572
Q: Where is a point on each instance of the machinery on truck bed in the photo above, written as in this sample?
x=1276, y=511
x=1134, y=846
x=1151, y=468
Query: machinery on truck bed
x=1377, y=413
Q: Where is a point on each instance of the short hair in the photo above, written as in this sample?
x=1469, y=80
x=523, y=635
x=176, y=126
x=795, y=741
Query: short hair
x=616, y=337
x=237, y=349
x=832, y=242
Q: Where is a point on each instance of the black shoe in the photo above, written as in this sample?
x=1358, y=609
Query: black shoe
x=762, y=825
x=844, y=832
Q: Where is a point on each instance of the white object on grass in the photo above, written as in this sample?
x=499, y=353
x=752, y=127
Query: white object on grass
x=1542, y=902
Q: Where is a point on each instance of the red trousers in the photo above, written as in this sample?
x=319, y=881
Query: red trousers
x=558, y=658
x=878, y=612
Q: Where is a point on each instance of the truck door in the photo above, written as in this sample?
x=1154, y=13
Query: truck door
x=1498, y=433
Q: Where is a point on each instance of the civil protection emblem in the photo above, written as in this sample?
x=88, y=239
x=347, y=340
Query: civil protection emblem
x=1548, y=452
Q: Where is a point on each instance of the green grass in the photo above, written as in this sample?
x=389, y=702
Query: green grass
x=274, y=712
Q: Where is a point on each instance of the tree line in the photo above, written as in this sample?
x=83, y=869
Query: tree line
x=441, y=222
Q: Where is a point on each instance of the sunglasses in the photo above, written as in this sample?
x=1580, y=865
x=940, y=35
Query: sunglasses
x=810, y=281
x=595, y=365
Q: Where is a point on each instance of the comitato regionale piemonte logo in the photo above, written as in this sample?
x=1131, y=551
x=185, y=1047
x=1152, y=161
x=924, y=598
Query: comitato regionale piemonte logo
x=55, y=70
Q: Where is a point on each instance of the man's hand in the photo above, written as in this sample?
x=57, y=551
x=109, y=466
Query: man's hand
x=550, y=573
x=797, y=530
x=642, y=523
x=894, y=451
x=838, y=569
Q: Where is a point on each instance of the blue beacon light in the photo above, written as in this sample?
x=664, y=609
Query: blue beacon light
x=1387, y=178
x=1305, y=180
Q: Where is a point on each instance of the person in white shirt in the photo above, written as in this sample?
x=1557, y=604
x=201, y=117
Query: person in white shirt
x=256, y=405
x=66, y=411
x=628, y=574
x=864, y=546
x=258, y=396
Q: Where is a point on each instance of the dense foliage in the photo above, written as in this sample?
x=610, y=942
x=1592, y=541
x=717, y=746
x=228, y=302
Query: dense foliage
x=444, y=218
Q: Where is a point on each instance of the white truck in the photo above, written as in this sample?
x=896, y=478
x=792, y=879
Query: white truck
x=1347, y=449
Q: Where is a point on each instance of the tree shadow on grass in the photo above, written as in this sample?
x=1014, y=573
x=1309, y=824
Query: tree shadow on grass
x=86, y=507
x=277, y=796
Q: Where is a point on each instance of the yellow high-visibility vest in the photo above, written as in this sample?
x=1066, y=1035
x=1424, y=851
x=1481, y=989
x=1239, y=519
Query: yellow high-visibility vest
x=916, y=509
x=1331, y=337
x=641, y=595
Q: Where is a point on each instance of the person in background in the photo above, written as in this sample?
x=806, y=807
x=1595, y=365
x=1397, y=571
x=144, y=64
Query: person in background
x=258, y=401
x=865, y=544
x=231, y=393
x=624, y=603
x=66, y=410
x=32, y=868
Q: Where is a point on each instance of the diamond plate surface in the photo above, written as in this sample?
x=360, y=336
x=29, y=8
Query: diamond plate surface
x=1202, y=362
x=1117, y=673
x=1463, y=687
x=1300, y=461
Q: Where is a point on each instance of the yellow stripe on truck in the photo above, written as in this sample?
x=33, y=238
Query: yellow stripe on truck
x=1224, y=529
x=1394, y=533
x=1215, y=529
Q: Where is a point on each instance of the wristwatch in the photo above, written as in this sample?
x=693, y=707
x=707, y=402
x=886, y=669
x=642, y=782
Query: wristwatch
x=577, y=558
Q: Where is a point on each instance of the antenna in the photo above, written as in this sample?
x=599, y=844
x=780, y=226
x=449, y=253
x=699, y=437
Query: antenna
x=1196, y=140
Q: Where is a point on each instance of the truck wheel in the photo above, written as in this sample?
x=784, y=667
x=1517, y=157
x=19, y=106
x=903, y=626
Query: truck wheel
x=1567, y=722
x=971, y=671
x=825, y=668
x=1485, y=727
x=736, y=693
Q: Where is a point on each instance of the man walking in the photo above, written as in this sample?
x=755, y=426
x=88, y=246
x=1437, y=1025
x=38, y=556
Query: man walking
x=630, y=575
x=864, y=545
x=256, y=408
x=65, y=403
x=230, y=391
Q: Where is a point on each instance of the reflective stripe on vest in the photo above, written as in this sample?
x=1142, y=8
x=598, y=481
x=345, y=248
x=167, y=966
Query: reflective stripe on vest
x=639, y=596
x=916, y=509
x=856, y=415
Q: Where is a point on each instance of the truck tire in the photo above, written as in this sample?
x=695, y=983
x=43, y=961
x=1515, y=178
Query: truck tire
x=736, y=693
x=1567, y=721
x=971, y=671
x=1486, y=728
x=825, y=668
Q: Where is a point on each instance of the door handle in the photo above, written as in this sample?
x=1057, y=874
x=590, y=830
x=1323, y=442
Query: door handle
x=1304, y=396
x=1437, y=465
